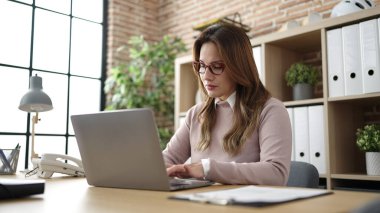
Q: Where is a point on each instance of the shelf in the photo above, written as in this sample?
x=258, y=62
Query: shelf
x=345, y=163
x=186, y=90
x=284, y=56
x=303, y=43
x=308, y=102
x=370, y=98
x=328, y=23
x=355, y=182
x=281, y=53
x=355, y=177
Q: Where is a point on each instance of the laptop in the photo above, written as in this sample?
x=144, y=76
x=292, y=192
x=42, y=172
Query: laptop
x=120, y=149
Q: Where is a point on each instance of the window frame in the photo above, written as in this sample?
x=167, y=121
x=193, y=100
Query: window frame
x=103, y=75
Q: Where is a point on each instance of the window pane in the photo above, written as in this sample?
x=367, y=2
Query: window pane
x=62, y=6
x=94, y=13
x=51, y=46
x=86, y=50
x=73, y=148
x=54, y=121
x=10, y=142
x=47, y=144
x=14, y=85
x=15, y=25
x=51, y=41
x=84, y=97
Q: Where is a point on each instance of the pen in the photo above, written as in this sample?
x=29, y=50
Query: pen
x=213, y=200
x=8, y=161
x=5, y=161
x=11, y=157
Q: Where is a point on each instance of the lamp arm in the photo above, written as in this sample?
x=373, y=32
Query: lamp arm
x=34, y=122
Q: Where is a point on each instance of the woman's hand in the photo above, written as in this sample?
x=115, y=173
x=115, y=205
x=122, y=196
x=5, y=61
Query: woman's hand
x=194, y=170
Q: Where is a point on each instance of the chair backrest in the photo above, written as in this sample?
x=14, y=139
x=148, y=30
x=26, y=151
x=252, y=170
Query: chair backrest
x=370, y=207
x=303, y=174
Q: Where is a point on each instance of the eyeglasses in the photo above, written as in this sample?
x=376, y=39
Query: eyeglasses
x=215, y=68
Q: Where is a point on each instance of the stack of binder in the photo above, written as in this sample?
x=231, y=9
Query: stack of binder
x=308, y=135
x=353, y=59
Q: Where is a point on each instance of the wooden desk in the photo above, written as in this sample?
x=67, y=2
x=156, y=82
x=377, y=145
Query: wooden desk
x=67, y=194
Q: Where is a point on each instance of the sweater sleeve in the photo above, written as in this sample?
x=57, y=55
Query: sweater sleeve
x=275, y=141
x=178, y=149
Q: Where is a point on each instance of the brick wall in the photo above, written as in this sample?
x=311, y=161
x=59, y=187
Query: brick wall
x=177, y=17
x=263, y=16
x=128, y=18
x=155, y=18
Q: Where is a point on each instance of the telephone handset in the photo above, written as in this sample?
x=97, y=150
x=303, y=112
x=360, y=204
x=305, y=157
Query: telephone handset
x=50, y=163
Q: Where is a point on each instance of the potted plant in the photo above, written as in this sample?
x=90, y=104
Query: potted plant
x=146, y=79
x=302, y=77
x=368, y=141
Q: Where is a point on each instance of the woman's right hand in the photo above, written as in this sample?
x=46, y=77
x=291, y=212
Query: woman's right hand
x=194, y=170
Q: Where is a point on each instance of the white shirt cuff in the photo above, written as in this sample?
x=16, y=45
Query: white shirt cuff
x=206, y=166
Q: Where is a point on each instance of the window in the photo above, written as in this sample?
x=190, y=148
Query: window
x=63, y=42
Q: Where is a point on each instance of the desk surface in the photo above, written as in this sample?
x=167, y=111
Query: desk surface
x=68, y=194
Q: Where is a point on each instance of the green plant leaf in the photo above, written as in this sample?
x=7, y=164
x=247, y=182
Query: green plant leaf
x=368, y=138
x=146, y=79
x=301, y=73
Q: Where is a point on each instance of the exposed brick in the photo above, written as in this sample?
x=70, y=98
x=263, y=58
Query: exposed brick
x=289, y=4
x=299, y=8
x=270, y=17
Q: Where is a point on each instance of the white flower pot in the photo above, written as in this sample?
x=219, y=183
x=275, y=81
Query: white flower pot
x=373, y=163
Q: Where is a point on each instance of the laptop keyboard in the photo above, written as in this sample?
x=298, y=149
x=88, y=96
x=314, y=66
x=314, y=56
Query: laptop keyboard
x=181, y=182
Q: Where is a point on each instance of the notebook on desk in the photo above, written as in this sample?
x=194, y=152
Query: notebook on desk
x=121, y=149
x=19, y=188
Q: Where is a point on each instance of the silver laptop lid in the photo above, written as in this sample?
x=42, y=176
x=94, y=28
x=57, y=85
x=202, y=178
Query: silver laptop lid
x=121, y=149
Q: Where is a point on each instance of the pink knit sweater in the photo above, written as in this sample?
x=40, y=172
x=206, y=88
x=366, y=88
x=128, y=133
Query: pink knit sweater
x=264, y=159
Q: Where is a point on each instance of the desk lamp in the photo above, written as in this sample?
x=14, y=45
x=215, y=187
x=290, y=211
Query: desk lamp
x=35, y=100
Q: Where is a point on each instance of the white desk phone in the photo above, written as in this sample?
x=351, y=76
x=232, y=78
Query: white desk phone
x=50, y=163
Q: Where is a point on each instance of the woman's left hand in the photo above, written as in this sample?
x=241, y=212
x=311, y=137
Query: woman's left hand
x=194, y=170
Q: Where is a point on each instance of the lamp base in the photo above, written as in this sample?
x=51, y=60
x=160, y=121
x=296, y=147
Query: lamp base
x=35, y=161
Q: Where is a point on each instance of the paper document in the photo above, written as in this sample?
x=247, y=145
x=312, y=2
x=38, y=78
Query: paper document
x=252, y=195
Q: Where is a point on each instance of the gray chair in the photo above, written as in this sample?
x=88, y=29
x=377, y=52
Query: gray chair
x=370, y=207
x=303, y=174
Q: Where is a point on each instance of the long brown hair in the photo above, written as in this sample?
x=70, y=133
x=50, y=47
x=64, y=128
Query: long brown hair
x=236, y=51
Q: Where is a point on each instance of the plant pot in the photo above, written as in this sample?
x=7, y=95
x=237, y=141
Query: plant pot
x=302, y=91
x=372, y=163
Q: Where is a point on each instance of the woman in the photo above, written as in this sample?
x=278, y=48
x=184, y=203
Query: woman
x=239, y=134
